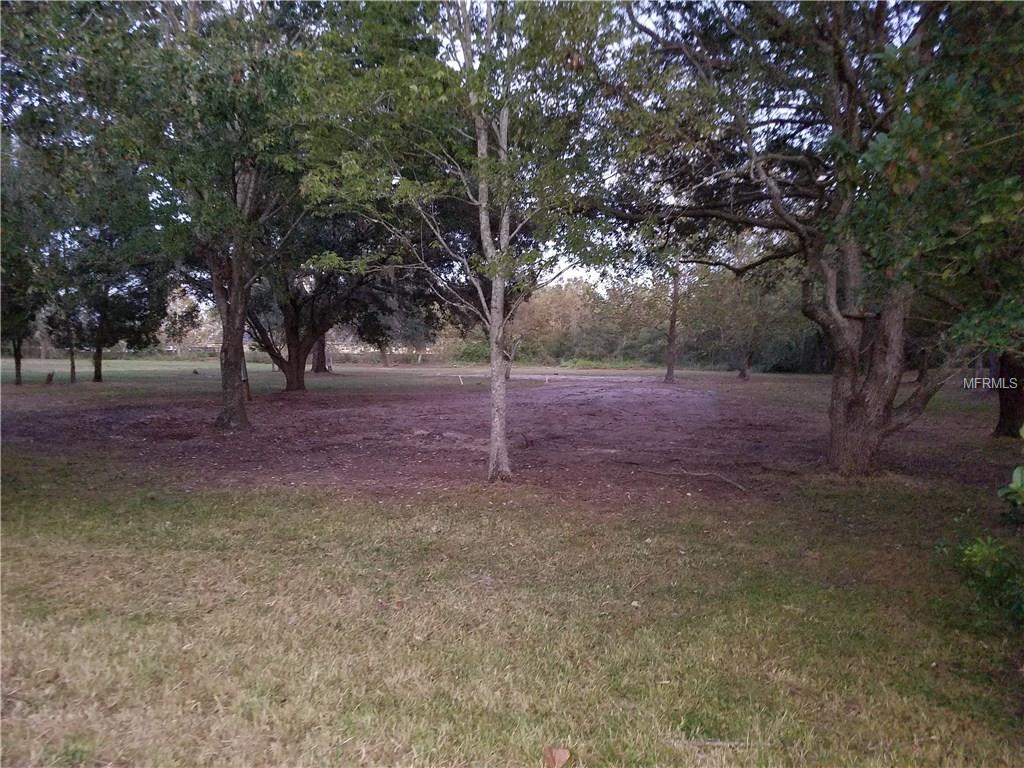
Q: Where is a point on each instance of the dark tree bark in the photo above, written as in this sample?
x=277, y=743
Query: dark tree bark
x=320, y=355
x=748, y=358
x=294, y=375
x=672, y=342
x=231, y=282
x=16, y=348
x=297, y=347
x=294, y=367
x=73, y=374
x=1011, y=399
x=383, y=349
x=97, y=363
x=922, y=366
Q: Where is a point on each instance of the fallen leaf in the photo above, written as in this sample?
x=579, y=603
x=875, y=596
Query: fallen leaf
x=555, y=757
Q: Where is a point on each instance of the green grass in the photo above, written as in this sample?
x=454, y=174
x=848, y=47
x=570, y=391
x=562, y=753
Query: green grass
x=143, y=626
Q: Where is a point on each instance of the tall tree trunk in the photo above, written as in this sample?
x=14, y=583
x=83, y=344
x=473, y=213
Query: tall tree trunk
x=498, y=465
x=1011, y=399
x=16, y=348
x=672, y=342
x=97, y=363
x=231, y=285
x=320, y=355
x=73, y=374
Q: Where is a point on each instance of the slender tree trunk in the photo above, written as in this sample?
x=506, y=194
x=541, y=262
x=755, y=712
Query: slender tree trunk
x=97, y=363
x=1011, y=399
x=73, y=374
x=498, y=465
x=383, y=349
x=672, y=343
x=320, y=355
x=16, y=348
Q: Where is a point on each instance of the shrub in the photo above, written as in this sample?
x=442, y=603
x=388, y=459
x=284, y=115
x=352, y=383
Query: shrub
x=995, y=573
x=1014, y=496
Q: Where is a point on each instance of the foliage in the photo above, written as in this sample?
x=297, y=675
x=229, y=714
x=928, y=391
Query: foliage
x=996, y=573
x=1013, y=494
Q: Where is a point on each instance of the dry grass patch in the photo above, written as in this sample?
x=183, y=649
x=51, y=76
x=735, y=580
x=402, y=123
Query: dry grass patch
x=147, y=627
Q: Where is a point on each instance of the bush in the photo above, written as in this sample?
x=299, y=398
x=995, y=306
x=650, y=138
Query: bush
x=1014, y=496
x=472, y=351
x=992, y=569
x=995, y=573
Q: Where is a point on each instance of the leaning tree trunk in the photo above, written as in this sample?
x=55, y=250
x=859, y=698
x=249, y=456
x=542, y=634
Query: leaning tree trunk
x=320, y=355
x=97, y=363
x=498, y=465
x=672, y=342
x=16, y=348
x=1011, y=398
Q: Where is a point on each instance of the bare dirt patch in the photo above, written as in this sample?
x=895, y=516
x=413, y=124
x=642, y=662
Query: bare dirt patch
x=592, y=437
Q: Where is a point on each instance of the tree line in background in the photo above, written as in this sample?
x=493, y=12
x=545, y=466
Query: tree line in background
x=827, y=186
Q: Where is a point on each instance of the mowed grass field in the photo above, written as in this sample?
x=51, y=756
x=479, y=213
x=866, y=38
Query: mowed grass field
x=146, y=624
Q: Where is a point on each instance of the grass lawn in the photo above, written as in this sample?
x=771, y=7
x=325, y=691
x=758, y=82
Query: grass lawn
x=148, y=626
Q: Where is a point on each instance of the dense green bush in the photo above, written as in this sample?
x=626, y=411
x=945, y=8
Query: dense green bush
x=992, y=568
x=995, y=573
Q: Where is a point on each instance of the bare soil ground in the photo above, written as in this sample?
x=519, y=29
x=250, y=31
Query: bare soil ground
x=599, y=436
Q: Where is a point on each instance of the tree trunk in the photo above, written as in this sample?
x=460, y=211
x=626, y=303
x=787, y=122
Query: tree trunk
x=97, y=363
x=383, y=348
x=671, y=343
x=232, y=413
x=320, y=355
x=294, y=375
x=748, y=358
x=294, y=367
x=922, y=366
x=869, y=349
x=498, y=465
x=16, y=348
x=230, y=274
x=73, y=374
x=1011, y=398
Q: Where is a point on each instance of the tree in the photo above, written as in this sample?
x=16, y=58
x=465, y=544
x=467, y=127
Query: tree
x=482, y=117
x=806, y=121
x=25, y=233
x=108, y=241
x=212, y=89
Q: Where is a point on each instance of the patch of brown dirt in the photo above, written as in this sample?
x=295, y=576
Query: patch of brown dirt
x=589, y=437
